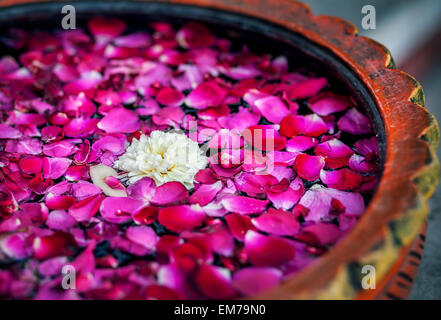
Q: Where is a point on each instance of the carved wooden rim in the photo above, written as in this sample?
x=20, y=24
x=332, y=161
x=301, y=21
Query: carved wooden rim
x=391, y=225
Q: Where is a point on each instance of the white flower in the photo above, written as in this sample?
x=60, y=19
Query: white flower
x=164, y=157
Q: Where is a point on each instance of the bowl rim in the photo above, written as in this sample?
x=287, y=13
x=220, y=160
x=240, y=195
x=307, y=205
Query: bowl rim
x=398, y=211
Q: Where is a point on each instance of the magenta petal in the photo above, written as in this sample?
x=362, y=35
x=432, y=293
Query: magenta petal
x=220, y=240
x=14, y=246
x=355, y=122
x=239, y=225
x=205, y=176
x=84, y=189
x=244, y=205
x=80, y=127
x=300, y=144
x=134, y=40
x=325, y=234
x=50, y=133
x=25, y=146
x=170, y=97
x=240, y=120
x=207, y=94
x=243, y=72
x=307, y=88
x=112, y=143
x=53, y=266
x=311, y=125
x=8, y=132
x=84, y=210
x=75, y=173
x=254, y=184
x=277, y=222
x=180, y=218
x=283, y=172
x=229, y=139
x=170, y=192
x=205, y=193
x=63, y=148
x=143, y=189
x=329, y=103
x=334, y=149
x=343, y=179
x=27, y=119
x=119, y=120
x=148, y=107
x=54, y=168
x=252, y=281
x=59, y=202
x=30, y=164
x=318, y=201
x=119, y=209
x=367, y=147
x=272, y=108
x=264, y=137
x=169, y=116
x=287, y=199
x=360, y=164
x=282, y=158
x=60, y=220
x=142, y=235
x=309, y=167
x=267, y=251
x=226, y=173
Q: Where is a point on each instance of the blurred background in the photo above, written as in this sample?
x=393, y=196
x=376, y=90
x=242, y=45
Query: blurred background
x=411, y=29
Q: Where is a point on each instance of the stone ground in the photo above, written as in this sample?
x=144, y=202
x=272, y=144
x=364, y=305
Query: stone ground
x=428, y=281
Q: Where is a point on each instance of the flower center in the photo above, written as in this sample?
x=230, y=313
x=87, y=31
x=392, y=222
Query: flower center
x=164, y=157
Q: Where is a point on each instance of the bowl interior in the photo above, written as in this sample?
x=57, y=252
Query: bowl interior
x=261, y=36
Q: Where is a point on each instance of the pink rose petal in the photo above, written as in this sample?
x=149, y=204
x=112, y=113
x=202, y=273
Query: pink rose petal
x=207, y=94
x=318, y=201
x=119, y=209
x=343, y=179
x=252, y=281
x=267, y=251
x=277, y=222
x=244, y=205
x=328, y=103
x=169, y=192
x=205, y=193
x=84, y=210
x=272, y=108
x=300, y=143
x=142, y=235
x=54, y=168
x=355, y=122
x=119, y=120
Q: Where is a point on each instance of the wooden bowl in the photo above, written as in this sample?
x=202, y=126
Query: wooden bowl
x=390, y=234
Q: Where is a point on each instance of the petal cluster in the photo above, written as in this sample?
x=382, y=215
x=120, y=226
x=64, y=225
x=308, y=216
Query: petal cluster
x=170, y=163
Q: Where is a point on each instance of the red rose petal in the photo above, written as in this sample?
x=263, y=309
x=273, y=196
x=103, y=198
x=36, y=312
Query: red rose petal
x=180, y=218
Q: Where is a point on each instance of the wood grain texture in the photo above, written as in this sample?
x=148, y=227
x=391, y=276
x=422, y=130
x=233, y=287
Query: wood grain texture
x=389, y=230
